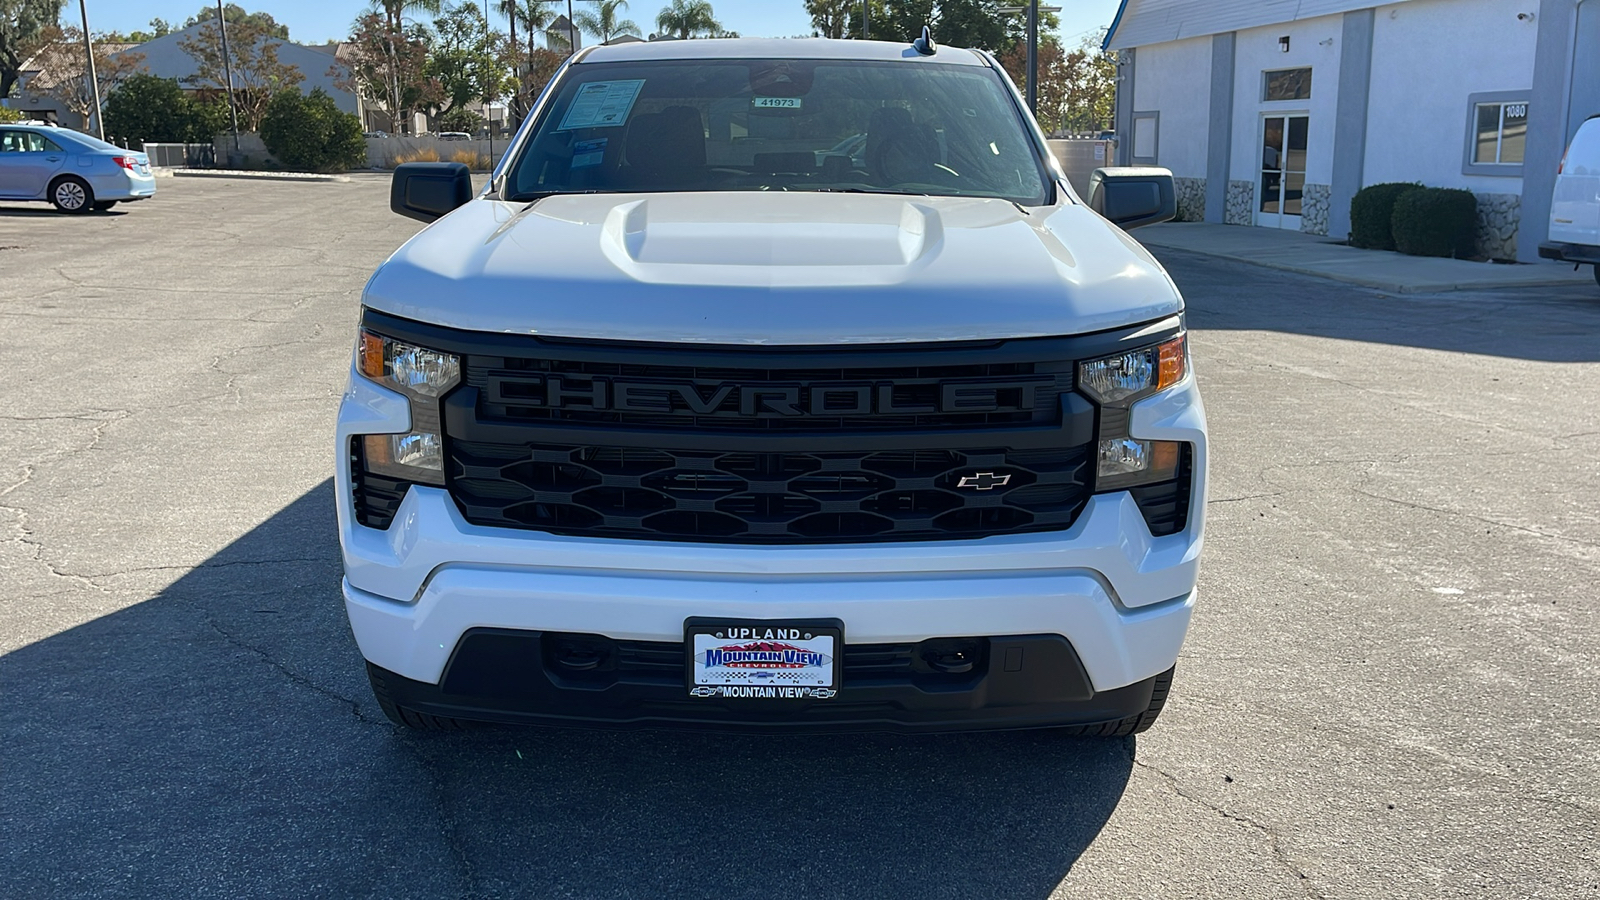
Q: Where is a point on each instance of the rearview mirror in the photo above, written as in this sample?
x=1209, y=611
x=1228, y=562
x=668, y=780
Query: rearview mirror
x=1131, y=196
x=427, y=191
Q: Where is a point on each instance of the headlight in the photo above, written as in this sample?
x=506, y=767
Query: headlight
x=1115, y=382
x=1121, y=379
x=424, y=376
x=407, y=368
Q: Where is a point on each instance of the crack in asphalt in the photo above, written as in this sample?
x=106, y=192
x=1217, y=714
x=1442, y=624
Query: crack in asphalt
x=1477, y=518
x=1273, y=841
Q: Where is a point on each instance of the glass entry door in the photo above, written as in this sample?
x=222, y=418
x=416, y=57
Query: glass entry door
x=1283, y=170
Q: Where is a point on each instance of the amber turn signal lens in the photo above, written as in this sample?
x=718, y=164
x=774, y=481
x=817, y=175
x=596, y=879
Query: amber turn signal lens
x=1174, y=362
x=371, y=355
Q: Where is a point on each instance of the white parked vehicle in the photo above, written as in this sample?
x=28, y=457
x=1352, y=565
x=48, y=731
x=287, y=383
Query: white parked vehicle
x=1575, y=207
x=687, y=419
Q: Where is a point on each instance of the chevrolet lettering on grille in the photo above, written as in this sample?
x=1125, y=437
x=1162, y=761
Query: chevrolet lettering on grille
x=765, y=401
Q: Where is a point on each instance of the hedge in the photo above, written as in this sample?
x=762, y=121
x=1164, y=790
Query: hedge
x=311, y=133
x=1436, y=222
x=1371, y=214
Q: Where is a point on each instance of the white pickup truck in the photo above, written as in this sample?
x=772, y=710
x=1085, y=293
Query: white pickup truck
x=773, y=385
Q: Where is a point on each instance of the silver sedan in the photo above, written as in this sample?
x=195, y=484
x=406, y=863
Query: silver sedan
x=74, y=171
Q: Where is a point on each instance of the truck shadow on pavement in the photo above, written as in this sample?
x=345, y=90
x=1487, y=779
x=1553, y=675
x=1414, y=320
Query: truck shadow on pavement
x=1549, y=324
x=219, y=740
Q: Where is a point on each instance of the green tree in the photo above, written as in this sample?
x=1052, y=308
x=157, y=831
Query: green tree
x=390, y=66
x=689, y=19
x=7, y=114
x=605, y=21
x=257, y=73
x=461, y=119
x=147, y=108
x=22, y=31
x=234, y=15
x=311, y=133
x=465, y=60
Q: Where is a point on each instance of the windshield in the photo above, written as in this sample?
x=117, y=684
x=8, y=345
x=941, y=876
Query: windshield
x=781, y=125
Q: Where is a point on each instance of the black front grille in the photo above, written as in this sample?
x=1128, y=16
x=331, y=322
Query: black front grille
x=769, y=444
x=787, y=397
x=781, y=497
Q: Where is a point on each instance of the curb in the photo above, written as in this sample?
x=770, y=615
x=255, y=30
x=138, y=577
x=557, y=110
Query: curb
x=260, y=176
x=1436, y=287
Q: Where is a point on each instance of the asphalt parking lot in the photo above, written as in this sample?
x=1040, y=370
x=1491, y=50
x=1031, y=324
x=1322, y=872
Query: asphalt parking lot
x=1390, y=689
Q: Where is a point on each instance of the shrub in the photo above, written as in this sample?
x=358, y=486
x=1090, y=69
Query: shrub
x=147, y=108
x=426, y=154
x=1371, y=210
x=311, y=134
x=1436, y=222
x=7, y=114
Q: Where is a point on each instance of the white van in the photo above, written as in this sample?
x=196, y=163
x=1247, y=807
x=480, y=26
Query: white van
x=1575, y=209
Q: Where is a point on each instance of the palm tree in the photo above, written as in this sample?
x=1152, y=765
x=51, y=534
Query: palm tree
x=393, y=12
x=688, y=18
x=535, y=16
x=603, y=22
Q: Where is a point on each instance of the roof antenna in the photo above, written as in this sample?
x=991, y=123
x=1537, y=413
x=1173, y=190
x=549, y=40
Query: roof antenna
x=925, y=44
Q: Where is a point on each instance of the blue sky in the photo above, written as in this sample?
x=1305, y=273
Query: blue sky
x=312, y=21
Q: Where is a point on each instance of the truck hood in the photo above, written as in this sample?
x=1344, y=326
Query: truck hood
x=773, y=268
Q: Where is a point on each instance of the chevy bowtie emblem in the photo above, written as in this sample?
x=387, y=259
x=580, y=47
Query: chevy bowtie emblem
x=984, y=481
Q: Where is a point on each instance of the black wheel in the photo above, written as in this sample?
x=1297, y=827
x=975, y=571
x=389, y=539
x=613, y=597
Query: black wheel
x=1596, y=271
x=103, y=205
x=408, y=718
x=1134, y=724
x=71, y=194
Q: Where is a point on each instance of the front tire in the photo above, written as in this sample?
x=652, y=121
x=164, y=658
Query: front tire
x=72, y=195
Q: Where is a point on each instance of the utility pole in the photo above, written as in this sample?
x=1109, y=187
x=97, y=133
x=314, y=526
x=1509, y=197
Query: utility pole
x=572, y=32
x=94, y=78
x=488, y=114
x=1033, y=56
x=866, y=15
x=227, y=68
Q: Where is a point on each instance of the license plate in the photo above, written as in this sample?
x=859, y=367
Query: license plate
x=760, y=659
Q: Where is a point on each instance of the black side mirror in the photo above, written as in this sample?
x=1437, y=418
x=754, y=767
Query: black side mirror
x=1131, y=196
x=427, y=191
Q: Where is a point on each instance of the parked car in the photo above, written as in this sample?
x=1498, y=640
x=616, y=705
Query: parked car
x=374, y=134
x=74, y=171
x=454, y=136
x=1575, y=206
x=663, y=428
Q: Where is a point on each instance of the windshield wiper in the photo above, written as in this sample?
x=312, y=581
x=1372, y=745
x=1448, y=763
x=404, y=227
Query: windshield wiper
x=535, y=196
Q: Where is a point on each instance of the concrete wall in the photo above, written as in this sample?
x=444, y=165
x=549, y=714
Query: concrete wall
x=1171, y=81
x=382, y=152
x=1428, y=56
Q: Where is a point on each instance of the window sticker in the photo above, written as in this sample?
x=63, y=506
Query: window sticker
x=775, y=102
x=602, y=104
x=589, y=153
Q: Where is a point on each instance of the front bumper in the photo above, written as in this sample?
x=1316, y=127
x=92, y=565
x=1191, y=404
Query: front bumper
x=1573, y=253
x=1118, y=598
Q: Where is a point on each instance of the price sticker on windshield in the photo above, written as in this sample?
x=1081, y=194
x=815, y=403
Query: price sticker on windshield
x=775, y=102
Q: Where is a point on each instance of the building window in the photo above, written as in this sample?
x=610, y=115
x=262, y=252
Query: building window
x=1497, y=133
x=1502, y=133
x=1286, y=84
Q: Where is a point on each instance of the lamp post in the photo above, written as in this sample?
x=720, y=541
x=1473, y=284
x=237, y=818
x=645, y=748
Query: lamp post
x=227, y=68
x=866, y=16
x=1032, y=11
x=94, y=78
x=488, y=114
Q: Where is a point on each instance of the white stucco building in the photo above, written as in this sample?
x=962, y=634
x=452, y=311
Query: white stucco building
x=1274, y=113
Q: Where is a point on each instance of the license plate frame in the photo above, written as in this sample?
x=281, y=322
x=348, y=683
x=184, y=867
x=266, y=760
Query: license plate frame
x=776, y=665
